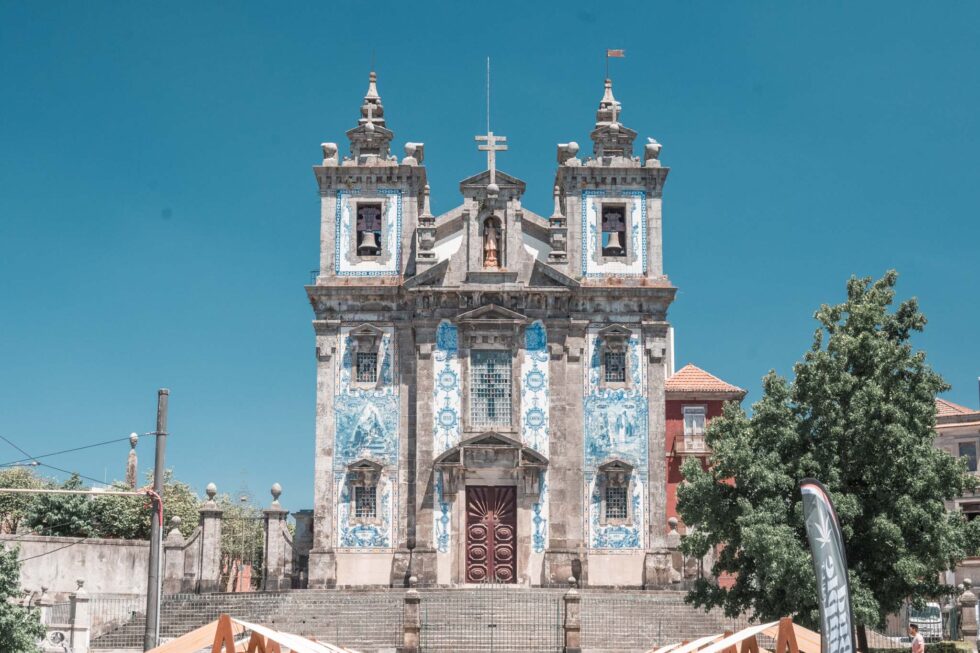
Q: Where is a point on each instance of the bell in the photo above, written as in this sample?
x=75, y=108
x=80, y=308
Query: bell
x=615, y=244
x=370, y=243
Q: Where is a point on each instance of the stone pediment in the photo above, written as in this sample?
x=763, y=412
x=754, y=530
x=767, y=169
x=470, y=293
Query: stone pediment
x=493, y=314
x=543, y=275
x=366, y=465
x=503, y=180
x=614, y=331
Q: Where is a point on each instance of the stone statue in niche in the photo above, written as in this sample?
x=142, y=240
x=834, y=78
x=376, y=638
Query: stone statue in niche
x=491, y=243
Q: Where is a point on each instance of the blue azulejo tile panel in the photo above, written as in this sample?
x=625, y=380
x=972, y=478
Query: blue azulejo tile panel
x=616, y=427
x=346, y=263
x=366, y=426
x=446, y=427
x=636, y=206
x=535, y=413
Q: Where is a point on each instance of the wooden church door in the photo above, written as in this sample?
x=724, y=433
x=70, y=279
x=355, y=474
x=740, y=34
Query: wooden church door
x=491, y=534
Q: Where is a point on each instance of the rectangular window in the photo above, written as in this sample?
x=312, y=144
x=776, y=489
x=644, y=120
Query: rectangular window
x=368, y=229
x=366, y=501
x=968, y=450
x=367, y=367
x=615, y=366
x=615, y=502
x=614, y=230
x=490, y=388
x=694, y=420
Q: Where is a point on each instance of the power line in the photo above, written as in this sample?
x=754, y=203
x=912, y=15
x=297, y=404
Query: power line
x=40, y=555
x=58, y=453
x=65, y=471
x=7, y=440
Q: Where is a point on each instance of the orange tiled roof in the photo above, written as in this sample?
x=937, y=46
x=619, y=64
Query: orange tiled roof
x=693, y=379
x=948, y=408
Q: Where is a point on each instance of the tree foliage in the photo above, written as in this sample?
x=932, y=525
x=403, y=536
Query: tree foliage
x=15, y=507
x=62, y=514
x=859, y=416
x=20, y=627
x=129, y=517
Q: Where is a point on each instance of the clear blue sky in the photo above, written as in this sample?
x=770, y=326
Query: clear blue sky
x=159, y=218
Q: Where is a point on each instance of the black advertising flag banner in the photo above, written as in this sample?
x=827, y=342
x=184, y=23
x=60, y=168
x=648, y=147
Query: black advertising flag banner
x=830, y=566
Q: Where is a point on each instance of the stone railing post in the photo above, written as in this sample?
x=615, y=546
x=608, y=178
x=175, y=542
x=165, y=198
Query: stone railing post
x=412, y=619
x=968, y=615
x=274, y=576
x=173, y=558
x=210, y=543
x=81, y=619
x=573, y=619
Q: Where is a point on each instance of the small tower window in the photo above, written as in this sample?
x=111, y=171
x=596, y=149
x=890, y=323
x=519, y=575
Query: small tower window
x=368, y=229
x=694, y=418
x=616, y=506
x=613, y=230
x=366, y=501
x=615, y=365
x=367, y=367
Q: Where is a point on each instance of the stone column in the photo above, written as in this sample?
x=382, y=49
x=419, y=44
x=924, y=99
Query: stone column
x=573, y=620
x=566, y=552
x=81, y=619
x=173, y=558
x=322, y=566
x=412, y=619
x=405, y=509
x=423, y=559
x=302, y=543
x=274, y=576
x=210, y=538
x=968, y=615
x=657, y=563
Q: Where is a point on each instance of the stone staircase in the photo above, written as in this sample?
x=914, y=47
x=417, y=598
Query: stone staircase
x=464, y=620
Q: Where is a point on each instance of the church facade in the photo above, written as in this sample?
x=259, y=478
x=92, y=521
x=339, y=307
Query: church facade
x=491, y=382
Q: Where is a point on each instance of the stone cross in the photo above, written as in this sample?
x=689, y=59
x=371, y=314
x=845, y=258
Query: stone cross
x=491, y=148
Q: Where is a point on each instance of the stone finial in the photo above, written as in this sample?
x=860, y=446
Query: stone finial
x=651, y=153
x=572, y=581
x=329, y=153
x=276, y=492
x=672, y=523
x=426, y=207
x=212, y=491
x=413, y=581
x=566, y=154
x=967, y=584
x=414, y=154
x=175, y=522
x=372, y=111
x=131, y=462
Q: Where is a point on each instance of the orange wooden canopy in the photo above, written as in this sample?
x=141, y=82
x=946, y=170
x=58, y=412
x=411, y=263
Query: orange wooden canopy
x=229, y=635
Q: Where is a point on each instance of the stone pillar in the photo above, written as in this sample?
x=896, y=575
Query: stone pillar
x=412, y=619
x=405, y=531
x=210, y=539
x=676, y=572
x=566, y=552
x=657, y=564
x=81, y=619
x=322, y=565
x=968, y=615
x=423, y=557
x=302, y=544
x=573, y=620
x=274, y=576
x=173, y=558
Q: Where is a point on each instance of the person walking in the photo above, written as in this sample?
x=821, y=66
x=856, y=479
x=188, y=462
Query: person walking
x=918, y=641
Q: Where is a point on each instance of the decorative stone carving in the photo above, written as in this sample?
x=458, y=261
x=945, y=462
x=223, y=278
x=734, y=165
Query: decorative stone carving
x=329, y=154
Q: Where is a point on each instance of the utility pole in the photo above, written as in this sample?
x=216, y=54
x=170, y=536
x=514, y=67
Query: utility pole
x=152, y=633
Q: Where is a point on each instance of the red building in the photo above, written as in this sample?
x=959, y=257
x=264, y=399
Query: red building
x=693, y=399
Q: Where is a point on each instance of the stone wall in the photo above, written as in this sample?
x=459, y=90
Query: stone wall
x=106, y=566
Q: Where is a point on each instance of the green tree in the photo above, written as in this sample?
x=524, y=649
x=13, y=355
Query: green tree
x=62, y=514
x=859, y=415
x=242, y=540
x=20, y=628
x=15, y=507
x=127, y=517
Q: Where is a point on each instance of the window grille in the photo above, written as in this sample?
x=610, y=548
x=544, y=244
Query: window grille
x=366, y=501
x=613, y=230
x=694, y=420
x=490, y=388
x=367, y=367
x=368, y=229
x=615, y=502
x=615, y=367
